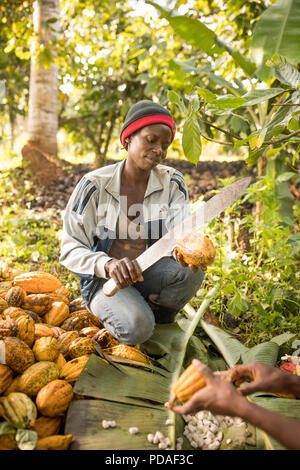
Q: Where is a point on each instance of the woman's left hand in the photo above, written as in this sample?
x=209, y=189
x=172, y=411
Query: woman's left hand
x=179, y=259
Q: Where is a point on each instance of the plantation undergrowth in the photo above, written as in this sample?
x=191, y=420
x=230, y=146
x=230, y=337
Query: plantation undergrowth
x=258, y=286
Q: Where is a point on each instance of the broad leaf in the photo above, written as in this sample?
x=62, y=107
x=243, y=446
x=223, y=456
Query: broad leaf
x=266, y=353
x=191, y=139
x=230, y=348
x=258, y=96
x=276, y=32
x=177, y=100
x=285, y=72
x=228, y=101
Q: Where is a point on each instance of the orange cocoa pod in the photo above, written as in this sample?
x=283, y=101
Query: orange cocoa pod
x=196, y=249
x=6, y=377
x=56, y=442
x=15, y=296
x=58, y=313
x=45, y=426
x=37, y=282
x=54, y=398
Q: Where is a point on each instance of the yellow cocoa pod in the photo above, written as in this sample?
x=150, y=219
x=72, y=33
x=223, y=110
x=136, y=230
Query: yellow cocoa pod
x=8, y=327
x=37, y=282
x=89, y=331
x=76, y=304
x=46, y=348
x=80, y=319
x=45, y=426
x=4, y=288
x=3, y=304
x=196, y=249
x=72, y=369
x=54, y=398
x=26, y=328
x=18, y=355
x=58, y=297
x=41, y=330
x=6, y=377
x=128, y=352
x=14, y=386
x=60, y=361
x=64, y=341
x=81, y=346
x=15, y=296
x=63, y=290
x=8, y=442
x=57, y=314
x=56, y=442
x=187, y=384
x=18, y=409
x=13, y=312
x=105, y=339
x=37, y=303
x=5, y=270
x=37, y=376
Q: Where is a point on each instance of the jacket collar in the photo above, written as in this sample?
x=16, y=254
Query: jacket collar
x=155, y=182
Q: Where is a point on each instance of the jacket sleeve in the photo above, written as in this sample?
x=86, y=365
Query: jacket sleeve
x=179, y=204
x=79, y=232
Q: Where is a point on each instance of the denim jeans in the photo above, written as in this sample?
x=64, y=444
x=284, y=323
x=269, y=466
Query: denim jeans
x=127, y=315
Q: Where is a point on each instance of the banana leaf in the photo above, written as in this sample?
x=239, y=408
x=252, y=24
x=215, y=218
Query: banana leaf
x=132, y=396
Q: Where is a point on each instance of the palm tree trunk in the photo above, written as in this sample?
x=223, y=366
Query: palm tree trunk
x=42, y=122
x=43, y=94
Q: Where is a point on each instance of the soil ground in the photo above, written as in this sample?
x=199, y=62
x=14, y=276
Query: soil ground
x=201, y=179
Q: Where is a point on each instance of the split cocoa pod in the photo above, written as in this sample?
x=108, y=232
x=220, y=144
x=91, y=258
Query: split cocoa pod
x=196, y=249
x=187, y=384
x=191, y=381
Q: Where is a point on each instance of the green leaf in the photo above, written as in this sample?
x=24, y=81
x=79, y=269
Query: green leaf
x=256, y=139
x=287, y=175
x=285, y=72
x=276, y=32
x=247, y=65
x=283, y=338
x=228, y=101
x=177, y=100
x=266, y=353
x=230, y=348
x=195, y=33
x=2, y=91
x=26, y=439
x=191, y=139
x=254, y=156
x=6, y=428
x=258, y=96
x=206, y=94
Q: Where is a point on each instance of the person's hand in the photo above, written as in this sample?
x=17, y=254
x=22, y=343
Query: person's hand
x=192, y=267
x=263, y=378
x=124, y=271
x=217, y=396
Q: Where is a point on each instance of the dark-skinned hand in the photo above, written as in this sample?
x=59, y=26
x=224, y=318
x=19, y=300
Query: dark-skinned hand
x=182, y=263
x=262, y=378
x=217, y=396
x=124, y=272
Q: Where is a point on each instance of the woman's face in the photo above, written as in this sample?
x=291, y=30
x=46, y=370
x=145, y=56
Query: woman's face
x=148, y=146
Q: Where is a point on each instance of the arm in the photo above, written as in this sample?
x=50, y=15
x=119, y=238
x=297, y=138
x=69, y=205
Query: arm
x=222, y=398
x=79, y=232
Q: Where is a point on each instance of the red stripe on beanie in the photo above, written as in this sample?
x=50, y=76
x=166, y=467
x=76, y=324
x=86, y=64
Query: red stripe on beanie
x=146, y=121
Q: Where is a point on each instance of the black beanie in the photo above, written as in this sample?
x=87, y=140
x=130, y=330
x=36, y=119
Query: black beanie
x=143, y=114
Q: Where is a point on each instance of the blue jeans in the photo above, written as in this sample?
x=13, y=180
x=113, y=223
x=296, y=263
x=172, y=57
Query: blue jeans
x=127, y=315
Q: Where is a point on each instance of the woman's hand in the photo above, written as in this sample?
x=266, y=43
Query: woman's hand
x=217, y=396
x=124, y=271
x=263, y=378
x=192, y=267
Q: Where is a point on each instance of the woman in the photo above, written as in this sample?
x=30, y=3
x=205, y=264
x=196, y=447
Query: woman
x=114, y=214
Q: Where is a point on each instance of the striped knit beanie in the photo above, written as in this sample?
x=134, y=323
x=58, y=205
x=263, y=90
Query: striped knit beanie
x=143, y=114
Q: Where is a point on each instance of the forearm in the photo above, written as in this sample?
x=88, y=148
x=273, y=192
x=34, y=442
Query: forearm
x=285, y=430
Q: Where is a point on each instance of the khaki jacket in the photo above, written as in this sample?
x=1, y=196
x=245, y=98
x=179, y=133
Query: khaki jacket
x=90, y=218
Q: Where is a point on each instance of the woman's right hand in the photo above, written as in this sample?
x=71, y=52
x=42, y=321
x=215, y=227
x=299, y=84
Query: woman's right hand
x=263, y=378
x=124, y=271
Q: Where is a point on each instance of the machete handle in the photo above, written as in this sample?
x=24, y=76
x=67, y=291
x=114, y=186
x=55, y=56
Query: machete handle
x=110, y=287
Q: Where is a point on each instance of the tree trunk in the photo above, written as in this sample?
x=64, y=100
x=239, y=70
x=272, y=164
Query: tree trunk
x=43, y=96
